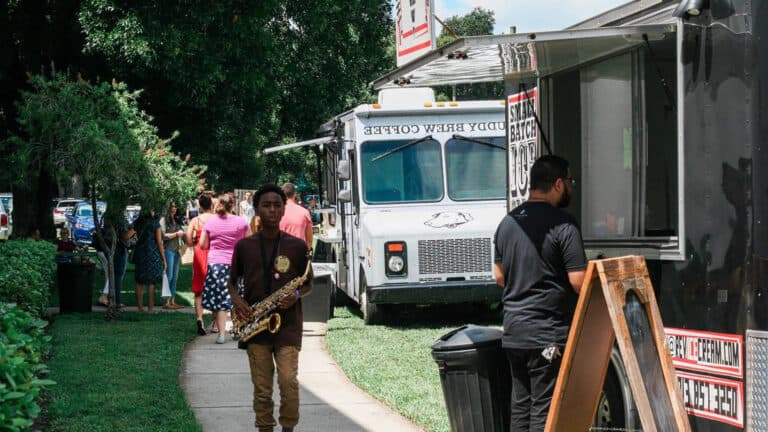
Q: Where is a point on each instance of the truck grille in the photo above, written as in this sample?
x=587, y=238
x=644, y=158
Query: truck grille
x=472, y=255
x=757, y=380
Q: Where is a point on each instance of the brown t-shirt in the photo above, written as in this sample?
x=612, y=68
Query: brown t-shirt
x=247, y=262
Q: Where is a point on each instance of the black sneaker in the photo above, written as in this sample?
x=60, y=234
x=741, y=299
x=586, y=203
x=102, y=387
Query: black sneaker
x=200, y=328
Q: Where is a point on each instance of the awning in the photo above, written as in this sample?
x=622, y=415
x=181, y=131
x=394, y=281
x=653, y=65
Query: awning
x=492, y=58
x=313, y=142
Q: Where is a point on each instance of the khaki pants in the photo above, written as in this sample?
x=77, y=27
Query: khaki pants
x=286, y=358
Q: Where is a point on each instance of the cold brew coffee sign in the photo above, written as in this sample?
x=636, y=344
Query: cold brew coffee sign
x=523, y=143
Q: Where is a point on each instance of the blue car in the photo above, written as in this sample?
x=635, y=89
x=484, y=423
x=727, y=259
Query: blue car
x=80, y=219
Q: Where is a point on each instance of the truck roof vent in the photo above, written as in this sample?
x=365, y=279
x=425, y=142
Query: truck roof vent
x=415, y=96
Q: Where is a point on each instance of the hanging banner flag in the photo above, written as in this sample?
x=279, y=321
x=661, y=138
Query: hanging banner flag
x=523, y=139
x=415, y=29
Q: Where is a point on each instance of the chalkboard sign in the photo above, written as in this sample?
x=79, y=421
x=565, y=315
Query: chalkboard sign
x=617, y=303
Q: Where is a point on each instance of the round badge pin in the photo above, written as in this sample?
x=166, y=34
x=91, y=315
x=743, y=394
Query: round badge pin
x=282, y=264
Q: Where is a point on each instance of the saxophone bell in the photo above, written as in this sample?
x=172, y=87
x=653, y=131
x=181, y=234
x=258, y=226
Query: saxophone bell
x=273, y=322
x=270, y=323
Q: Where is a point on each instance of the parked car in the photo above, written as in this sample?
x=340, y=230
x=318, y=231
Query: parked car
x=7, y=200
x=132, y=213
x=81, y=221
x=61, y=207
x=5, y=231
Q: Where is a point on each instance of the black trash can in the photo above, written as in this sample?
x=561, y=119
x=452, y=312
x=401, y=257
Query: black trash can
x=75, y=281
x=475, y=377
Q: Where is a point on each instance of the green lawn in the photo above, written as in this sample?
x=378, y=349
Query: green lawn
x=121, y=376
x=394, y=363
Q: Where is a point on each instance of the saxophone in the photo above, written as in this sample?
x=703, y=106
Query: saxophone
x=263, y=316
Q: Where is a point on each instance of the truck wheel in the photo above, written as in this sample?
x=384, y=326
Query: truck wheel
x=372, y=313
x=612, y=410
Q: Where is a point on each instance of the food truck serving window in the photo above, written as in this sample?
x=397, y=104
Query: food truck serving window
x=474, y=167
x=615, y=121
x=401, y=171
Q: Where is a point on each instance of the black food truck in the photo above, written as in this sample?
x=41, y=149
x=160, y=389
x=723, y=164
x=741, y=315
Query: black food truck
x=662, y=109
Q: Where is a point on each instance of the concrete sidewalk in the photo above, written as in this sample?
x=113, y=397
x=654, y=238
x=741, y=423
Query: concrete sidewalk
x=217, y=382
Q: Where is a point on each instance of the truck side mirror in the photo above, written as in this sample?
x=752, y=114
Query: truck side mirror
x=345, y=195
x=343, y=171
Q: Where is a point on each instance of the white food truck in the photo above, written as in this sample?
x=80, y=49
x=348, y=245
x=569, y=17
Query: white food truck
x=416, y=189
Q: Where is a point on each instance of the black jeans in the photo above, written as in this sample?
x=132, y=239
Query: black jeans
x=533, y=382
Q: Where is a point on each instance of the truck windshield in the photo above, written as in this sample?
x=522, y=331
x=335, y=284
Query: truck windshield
x=412, y=174
x=476, y=171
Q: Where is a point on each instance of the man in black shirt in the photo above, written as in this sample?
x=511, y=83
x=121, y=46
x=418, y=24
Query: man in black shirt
x=540, y=262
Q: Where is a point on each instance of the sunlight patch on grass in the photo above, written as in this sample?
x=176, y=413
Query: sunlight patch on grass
x=394, y=365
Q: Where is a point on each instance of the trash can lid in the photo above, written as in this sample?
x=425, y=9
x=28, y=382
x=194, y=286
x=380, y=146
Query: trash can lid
x=467, y=336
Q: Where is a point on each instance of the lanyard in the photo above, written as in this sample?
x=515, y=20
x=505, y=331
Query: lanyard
x=267, y=265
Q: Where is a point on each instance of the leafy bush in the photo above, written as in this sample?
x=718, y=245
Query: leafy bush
x=27, y=271
x=23, y=345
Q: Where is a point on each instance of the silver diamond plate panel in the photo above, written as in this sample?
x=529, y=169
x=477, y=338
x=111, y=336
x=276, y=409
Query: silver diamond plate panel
x=470, y=255
x=757, y=381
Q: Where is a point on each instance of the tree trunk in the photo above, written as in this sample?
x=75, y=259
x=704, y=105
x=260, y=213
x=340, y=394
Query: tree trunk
x=32, y=206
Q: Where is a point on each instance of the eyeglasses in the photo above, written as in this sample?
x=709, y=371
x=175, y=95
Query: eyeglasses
x=571, y=179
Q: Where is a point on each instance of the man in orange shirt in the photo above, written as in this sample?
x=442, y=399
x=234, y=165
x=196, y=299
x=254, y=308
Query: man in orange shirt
x=296, y=221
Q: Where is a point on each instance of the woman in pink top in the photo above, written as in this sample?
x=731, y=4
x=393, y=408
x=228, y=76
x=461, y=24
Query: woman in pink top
x=220, y=234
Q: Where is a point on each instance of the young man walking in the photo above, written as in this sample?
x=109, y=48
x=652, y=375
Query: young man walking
x=540, y=262
x=268, y=261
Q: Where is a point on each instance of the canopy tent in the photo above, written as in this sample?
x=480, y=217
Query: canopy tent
x=496, y=58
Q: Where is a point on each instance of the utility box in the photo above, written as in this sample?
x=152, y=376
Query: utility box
x=475, y=377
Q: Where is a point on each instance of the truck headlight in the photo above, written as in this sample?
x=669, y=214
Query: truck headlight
x=395, y=264
x=396, y=258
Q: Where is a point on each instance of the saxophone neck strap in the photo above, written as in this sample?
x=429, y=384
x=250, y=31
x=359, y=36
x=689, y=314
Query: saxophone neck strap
x=268, y=263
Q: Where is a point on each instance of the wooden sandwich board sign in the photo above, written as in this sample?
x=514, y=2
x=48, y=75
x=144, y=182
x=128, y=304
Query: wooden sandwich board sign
x=617, y=303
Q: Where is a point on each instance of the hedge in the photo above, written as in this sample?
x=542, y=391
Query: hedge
x=23, y=346
x=27, y=273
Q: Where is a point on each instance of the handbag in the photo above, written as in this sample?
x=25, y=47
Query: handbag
x=187, y=255
x=166, y=292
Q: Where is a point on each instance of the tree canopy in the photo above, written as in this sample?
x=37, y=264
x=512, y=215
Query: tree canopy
x=98, y=133
x=232, y=77
x=476, y=22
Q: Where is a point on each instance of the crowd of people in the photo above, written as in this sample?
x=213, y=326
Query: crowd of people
x=155, y=245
